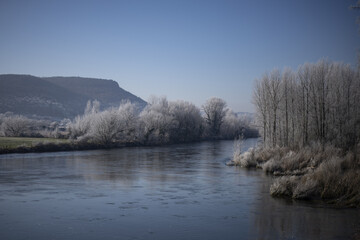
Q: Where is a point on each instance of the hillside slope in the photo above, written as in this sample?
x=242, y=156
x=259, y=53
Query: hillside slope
x=107, y=92
x=58, y=97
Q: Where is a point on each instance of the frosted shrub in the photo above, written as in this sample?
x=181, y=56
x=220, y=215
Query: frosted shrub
x=272, y=166
x=306, y=188
x=246, y=160
x=263, y=155
x=283, y=186
x=237, y=148
x=328, y=170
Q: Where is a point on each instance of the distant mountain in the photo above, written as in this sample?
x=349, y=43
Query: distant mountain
x=58, y=97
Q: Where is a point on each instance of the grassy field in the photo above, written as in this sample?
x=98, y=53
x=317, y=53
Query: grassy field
x=14, y=142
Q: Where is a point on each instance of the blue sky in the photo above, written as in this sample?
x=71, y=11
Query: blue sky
x=185, y=49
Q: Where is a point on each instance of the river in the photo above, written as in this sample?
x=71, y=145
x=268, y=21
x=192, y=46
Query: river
x=172, y=192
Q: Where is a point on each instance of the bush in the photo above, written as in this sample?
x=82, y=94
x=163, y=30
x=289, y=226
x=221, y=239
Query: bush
x=314, y=172
x=283, y=186
x=245, y=160
x=272, y=166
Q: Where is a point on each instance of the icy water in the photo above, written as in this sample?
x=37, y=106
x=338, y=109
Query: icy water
x=172, y=192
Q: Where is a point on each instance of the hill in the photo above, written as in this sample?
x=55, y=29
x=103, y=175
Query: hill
x=58, y=97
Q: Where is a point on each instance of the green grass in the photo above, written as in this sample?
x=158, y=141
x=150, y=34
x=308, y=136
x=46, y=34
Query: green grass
x=14, y=142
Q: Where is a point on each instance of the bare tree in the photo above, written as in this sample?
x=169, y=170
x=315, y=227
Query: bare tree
x=261, y=105
x=286, y=79
x=318, y=95
x=320, y=103
x=214, y=110
x=304, y=95
x=273, y=85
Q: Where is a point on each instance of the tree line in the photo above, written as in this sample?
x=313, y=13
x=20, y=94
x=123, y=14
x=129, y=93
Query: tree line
x=318, y=102
x=160, y=122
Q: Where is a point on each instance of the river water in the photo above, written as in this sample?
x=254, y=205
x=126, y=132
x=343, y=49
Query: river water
x=172, y=192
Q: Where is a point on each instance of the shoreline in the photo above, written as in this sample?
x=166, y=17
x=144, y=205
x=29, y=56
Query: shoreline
x=313, y=173
x=72, y=145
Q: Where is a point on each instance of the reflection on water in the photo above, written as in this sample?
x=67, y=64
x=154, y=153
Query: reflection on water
x=172, y=192
x=287, y=219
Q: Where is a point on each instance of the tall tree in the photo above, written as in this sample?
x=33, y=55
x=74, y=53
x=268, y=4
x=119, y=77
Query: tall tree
x=214, y=110
x=273, y=85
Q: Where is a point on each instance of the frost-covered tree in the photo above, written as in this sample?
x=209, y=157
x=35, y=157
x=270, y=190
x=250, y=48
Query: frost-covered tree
x=260, y=100
x=156, y=121
x=187, y=121
x=303, y=102
x=164, y=121
x=232, y=126
x=105, y=127
x=129, y=122
x=215, y=110
x=16, y=126
x=319, y=102
x=274, y=93
x=160, y=122
x=81, y=125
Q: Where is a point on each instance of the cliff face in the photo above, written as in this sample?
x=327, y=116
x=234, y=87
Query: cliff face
x=58, y=97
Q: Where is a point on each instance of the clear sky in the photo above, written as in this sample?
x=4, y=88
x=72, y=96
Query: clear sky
x=185, y=49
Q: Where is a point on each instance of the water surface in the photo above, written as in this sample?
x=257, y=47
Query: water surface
x=172, y=192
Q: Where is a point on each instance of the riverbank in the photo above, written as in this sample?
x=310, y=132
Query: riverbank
x=10, y=145
x=31, y=145
x=314, y=172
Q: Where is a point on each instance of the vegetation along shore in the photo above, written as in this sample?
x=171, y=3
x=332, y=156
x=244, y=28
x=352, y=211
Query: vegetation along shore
x=309, y=122
x=161, y=122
